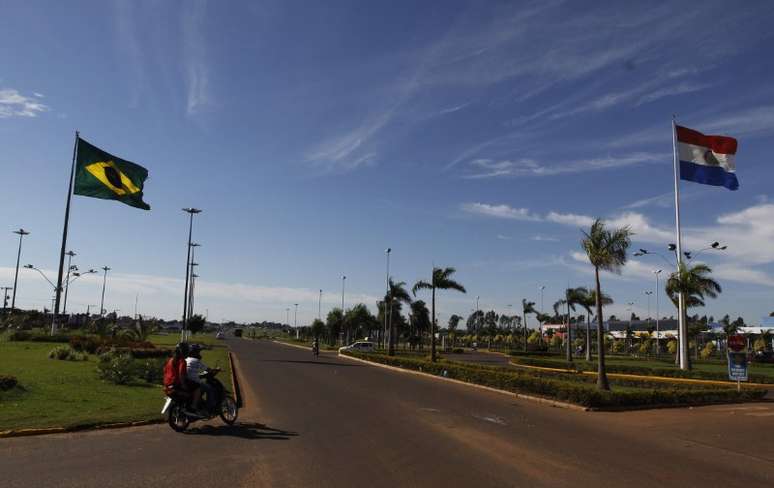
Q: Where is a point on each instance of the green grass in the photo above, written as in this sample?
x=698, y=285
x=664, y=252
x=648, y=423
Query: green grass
x=55, y=393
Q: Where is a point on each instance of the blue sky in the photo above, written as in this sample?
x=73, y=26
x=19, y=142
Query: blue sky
x=480, y=135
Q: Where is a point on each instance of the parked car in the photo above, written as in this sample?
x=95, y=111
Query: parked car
x=359, y=346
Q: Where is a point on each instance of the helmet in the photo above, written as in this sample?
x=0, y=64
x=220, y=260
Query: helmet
x=195, y=350
x=181, y=349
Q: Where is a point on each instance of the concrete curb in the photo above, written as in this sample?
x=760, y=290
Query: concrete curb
x=77, y=428
x=235, y=381
x=293, y=345
x=522, y=396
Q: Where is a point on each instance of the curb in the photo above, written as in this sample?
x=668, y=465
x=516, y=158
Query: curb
x=522, y=396
x=235, y=381
x=77, y=428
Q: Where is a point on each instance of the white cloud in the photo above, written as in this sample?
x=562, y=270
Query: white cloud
x=498, y=211
x=14, y=104
x=668, y=91
x=194, y=57
x=453, y=109
x=504, y=237
x=488, y=168
x=570, y=219
x=160, y=296
x=541, y=238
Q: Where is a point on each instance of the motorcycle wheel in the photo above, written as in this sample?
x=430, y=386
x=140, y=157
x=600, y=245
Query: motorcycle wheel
x=229, y=410
x=177, y=419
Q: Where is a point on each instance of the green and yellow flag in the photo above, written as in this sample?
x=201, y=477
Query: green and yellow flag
x=101, y=175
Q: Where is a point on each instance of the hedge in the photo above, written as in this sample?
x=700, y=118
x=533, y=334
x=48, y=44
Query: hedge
x=582, y=365
x=567, y=388
x=27, y=336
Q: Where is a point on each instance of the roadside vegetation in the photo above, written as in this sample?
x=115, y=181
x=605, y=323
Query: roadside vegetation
x=81, y=379
x=573, y=388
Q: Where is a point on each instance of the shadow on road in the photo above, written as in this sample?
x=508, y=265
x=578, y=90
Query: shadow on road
x=244, y=430
x=324, y=363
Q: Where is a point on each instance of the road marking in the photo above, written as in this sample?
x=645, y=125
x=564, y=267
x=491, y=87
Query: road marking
x=434, y=410
x=760, y=414
x=490, y=418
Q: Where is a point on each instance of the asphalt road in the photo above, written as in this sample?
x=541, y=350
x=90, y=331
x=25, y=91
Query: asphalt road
x=334, y=422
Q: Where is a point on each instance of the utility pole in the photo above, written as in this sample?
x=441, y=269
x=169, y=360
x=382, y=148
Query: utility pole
x=191, y=212
x=343, y=280
x=658, y=332
x=21, y=233
x=386, y=298
x=319, y=307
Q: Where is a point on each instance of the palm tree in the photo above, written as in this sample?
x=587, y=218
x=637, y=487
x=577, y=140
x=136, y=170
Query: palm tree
x=606, y=250
x=588, y=301
x=694, y=284
x=441, y=280
x=454, y=322
x=397, y=293
x=526, y=307
x=573, y=297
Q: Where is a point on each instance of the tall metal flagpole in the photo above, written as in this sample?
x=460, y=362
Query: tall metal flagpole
x=682, y=328
x=64, y=237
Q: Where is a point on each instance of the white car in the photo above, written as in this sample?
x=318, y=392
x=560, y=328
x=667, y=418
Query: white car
x=219, y=335
x=359, y=346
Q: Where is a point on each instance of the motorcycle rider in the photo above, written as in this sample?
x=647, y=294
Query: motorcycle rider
x=175, y=369
x=194, y=366
x=316, y=347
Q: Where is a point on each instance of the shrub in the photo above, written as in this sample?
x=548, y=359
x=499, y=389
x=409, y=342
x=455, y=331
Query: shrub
x=66, y=353
x=7, y=382
x=152, y=370
x=619, y=346
x=458, y=350
x=118, y=368
x=672, y=346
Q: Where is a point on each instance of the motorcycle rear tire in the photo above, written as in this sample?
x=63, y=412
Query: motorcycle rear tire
x=228, y=406
x=177, y=418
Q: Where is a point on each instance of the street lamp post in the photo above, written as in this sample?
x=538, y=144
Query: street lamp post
x=387, y=298
x=69, y=281
x=191, y=285
x=53, y=313
x=104, y=283
x=343, y=281
x=658, y=332
x=319, y=307
x=21, y=233
x=70, y=268
x=191, y=212
x=542, y=287
x=295, y=317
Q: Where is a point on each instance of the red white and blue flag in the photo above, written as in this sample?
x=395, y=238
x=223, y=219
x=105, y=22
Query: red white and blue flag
x=708, y=160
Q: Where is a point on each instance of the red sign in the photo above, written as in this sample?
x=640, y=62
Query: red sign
x=737, y=342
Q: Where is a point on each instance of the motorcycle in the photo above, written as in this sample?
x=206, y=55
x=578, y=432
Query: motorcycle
x=180, y=414
x=316, y=349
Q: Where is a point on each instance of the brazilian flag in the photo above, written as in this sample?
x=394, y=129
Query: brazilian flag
x=101, y=175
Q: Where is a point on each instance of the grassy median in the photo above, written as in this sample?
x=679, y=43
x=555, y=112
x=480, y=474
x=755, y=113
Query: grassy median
x=575, y=388
x=60, y=393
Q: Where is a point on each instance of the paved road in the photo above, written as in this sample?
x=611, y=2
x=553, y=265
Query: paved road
x=333, y=422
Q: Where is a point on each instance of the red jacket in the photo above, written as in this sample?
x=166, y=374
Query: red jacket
x=174, y=374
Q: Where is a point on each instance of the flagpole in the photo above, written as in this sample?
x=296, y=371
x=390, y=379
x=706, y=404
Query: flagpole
x=64, y=236
x=682, y=326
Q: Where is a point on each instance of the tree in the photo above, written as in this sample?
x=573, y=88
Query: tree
x=475, y=322
x=397, y=295
x=454, y=322
x=588, y=299
x=420, y=321
x=441, y=280
x=359, y=321
x=318, y=328
x=527, y=307
x=195, y=323
x=606, y=250
x=694, y=284
x=142, y=329
x=335, y=324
